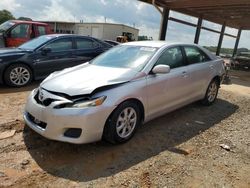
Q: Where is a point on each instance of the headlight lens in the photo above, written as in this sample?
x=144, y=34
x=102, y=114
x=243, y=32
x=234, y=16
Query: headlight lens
x=94, y=102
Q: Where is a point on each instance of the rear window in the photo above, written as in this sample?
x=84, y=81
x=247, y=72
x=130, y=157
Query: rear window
x=194, y=55
x=83, y=43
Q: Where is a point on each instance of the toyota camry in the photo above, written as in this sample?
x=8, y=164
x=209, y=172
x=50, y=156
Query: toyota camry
x=130, y=84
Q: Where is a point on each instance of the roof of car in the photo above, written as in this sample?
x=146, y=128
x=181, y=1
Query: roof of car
x=156, y=44
x=65, y=35
x=29, y=22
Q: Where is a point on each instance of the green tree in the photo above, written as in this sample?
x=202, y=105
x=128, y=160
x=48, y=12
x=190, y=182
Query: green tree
x=25, y=18
x=5, y=15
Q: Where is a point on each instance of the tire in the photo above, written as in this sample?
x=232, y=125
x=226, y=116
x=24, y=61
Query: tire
x=18, y=75
x=211, y=93
x=120, y=127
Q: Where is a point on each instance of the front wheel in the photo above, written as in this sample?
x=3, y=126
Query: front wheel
x=18, y=75
x=123, y=123
x=211, y=93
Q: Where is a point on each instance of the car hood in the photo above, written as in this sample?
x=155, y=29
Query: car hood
x=84, y=79
x=12, y=51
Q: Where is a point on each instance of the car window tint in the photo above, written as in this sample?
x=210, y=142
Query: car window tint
x=41, y=30
x=194, y=55
x=82, y=43
x=172, y=57
x=20, y=31
x=105, y=44
x=60, y=45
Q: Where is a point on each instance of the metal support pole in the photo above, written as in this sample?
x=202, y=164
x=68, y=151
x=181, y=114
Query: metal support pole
x=237, y=42
x=198, y=31
x=164, y=24
x=221, y=38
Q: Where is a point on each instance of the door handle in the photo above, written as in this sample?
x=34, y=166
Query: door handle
x=211, y=66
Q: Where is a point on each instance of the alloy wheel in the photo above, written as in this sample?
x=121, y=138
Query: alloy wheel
x=19, y=76
x=126, y=122
x=212, y=92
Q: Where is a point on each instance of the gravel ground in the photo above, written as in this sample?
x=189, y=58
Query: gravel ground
x=180, y=149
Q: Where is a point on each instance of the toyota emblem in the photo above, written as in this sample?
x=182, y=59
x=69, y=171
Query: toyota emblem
x=41, y=96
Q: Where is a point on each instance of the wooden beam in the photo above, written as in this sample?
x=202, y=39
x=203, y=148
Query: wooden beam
x=221, y=8
x=200, y=3
x=198, y=31
x=209, y=29
x=182, y=21
x=221, y=38
x=229, y=35
x=210, y=18
x=237, y=42
x=216, y=11
x=164, y=24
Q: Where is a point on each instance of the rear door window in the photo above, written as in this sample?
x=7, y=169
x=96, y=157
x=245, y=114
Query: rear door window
x=194, y=55
x=83, y=43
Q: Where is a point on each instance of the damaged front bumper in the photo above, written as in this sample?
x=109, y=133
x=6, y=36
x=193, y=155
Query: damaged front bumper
x=73, y=125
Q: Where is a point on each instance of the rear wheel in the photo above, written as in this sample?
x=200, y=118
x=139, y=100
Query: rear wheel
x=212, y=92
x=18, y=75
x=123, y=123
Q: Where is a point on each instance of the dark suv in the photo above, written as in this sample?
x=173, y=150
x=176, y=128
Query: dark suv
x=41, y=56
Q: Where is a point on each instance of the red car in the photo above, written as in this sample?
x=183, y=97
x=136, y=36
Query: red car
x=16, y=32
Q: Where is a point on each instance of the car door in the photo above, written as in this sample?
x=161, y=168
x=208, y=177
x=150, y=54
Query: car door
x=54, y=56
x=199, y=67
x=86, y=49
x=18, y=35
x=166, y=92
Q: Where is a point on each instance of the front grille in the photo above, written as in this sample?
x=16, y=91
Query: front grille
x=45, y=102
x=39, y=123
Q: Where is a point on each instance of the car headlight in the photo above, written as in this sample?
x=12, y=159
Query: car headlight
x=90, y=103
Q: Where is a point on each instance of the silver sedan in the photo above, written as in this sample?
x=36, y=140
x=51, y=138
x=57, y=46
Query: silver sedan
x=109, y=97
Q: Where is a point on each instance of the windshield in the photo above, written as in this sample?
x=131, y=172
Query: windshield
x=35, y=43
x=124, y=56
x=6, y=25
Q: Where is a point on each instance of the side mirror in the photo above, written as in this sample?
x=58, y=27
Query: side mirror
x=161, y=69
x=46, y=50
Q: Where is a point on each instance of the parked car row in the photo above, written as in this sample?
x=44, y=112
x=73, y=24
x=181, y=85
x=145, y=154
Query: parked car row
x=41, y=56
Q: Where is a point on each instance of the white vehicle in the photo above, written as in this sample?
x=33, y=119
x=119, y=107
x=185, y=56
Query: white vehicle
x=130, y=84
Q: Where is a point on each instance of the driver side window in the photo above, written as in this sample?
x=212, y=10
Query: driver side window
x=20, y=31
x=172, y=57
x=60, y=45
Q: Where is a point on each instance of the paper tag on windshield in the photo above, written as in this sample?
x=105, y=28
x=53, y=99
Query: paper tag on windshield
x=148, y=49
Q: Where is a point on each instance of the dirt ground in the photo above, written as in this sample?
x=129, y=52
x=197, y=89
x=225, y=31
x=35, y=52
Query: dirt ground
x=180, y=149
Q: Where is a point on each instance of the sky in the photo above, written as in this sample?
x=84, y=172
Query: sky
x=130, y=12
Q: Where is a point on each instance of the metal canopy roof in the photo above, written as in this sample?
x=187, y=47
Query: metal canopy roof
x=233, y=13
